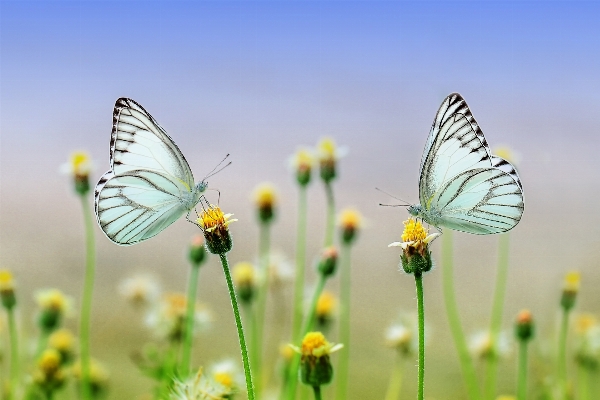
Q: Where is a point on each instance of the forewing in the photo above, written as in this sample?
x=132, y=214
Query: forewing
x=138, y=142
x=480, y=201
x=136, y=205
x=456, y=148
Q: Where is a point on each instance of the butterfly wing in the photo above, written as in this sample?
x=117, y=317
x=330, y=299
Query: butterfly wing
x=462, y=185
x=150, y=182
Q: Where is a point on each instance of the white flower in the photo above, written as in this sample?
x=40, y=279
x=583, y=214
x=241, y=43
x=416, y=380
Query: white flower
x=199, y=387
x=480, y=345
x=140, y=290
x=228, y=373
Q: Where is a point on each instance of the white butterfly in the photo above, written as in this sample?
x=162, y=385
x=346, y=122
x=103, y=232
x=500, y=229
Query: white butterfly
x=149, y=184
x=462, y=186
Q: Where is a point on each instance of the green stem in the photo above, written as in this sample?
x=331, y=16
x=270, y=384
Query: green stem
x=330, y=222
x=393, y=390
x=14, y=352
x=466, y=363
x=308, y=323
x=168, y=369
x=421, y=313
x=300, y=264
x=86, y=303
x=496, y=319
x=189, y=321
x=522, y=379
x=238, y=324
x=261, y=302
x=562, y=352
x=344, y=332
x=42, y=342
x=317, y=390
x=584, y=384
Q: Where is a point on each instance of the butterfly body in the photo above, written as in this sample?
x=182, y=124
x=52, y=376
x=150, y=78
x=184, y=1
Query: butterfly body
x=150, y=184
x=462, y=186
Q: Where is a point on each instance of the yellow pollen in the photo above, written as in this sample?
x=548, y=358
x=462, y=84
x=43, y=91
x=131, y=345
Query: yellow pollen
x=313, y=341
x=52, y=299
x=176, y=304
x=224, y=378
x=212, y=218
x=326, y=304
x=413, y=231
x=61, y=340
x=303, y=159
x=584, y=323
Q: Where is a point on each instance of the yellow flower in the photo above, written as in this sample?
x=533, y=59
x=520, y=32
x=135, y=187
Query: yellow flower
x=199, y=387
x=265, y=198
x=215, y=225
x=328, y=154
x=7, y=289
x=416, y=257
x=48, y=373
x=584, y=322
x=302, y=163
x=49, y=361
x=228, y=374
x=244, y=278
x=572, y=281
x=98, y=375
x=63, y=341
x=315, y=366
x=524, y=327
x=350, y=221
x=140, y=290
x=79, y=168
x=54, y=300
x=326, y=306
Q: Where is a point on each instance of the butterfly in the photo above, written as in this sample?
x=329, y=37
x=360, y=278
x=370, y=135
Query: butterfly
x=149, y=185
x=462, y=185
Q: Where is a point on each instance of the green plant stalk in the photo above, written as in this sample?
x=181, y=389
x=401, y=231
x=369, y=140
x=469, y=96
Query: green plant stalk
x=240, y=328
x=42, y=342
x=308, y=323
x=261, y=301
x=344, y=330
x=522, y=378
x=317, y=390
x=186, y=355
x=14, y=352
x=496, y=319
x=466, y=363
x=562, y=351
x=395, y=385
x=584, y=384
x=421, y=315
x=168, y=370
x=330, y=221
x=300, y=264
x=86, y=303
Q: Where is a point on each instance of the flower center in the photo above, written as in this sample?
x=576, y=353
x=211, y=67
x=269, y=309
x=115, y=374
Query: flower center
x=211, y=218
x=313, y=341
x=413, y=231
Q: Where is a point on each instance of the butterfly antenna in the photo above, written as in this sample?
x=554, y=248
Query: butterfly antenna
x=216, y=169
x=406, y=204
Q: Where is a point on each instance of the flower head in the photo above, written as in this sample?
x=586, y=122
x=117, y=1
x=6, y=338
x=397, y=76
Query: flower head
x=524, y=327
x=63, y=341
x=98, y=376
x=315, y=366
x=197, y=251
x=199, y=387
x=416, y=257
x=215, y=226
x=245, y=280
x=326, y=308
x=302, y=162
x=587, y=349
x=403, y=335
x=228, y=374
x=328, y=154
x=328, y=263
x=482, y=346
x=48, y=373
x=350, y=222
x=7, y=289
x=265, y=198
x=140, y=290
x=168, y=318
x=570, y=289
x=54, y=305
x=508, y=154
x=79, y=167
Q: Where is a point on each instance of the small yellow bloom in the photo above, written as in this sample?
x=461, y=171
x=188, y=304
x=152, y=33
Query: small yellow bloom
x=244, y=273
x=79, y=165
x=199, y=387
x=286, y=352
x=227, y=373
x=302, y=163
x=326, y=306
x=54, y=300
x=482, y=347
x=314, y=344
x=572, y=281
x=328, y=154
x=350, y=221
x=416, y=257
x=584, y=322
x=49, y=361
x=6, y=280
x=265, y=195
x=48, y=373
x=215, y=225
x=63, y=341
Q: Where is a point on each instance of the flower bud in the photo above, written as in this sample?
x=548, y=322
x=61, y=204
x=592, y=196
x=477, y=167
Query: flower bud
x=524, y=327
x=328, y=156
x=315, y=365
x=79, y=167
x=197, y=251
x=244, y=278
x=302, y=163
x=7, y=289
x=570, y=290
x=265, y=198
x=215, y=226
x=415, y=257
x=350, y=223
x=328, y=262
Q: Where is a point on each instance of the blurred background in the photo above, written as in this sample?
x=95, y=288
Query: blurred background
x=258, y=79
